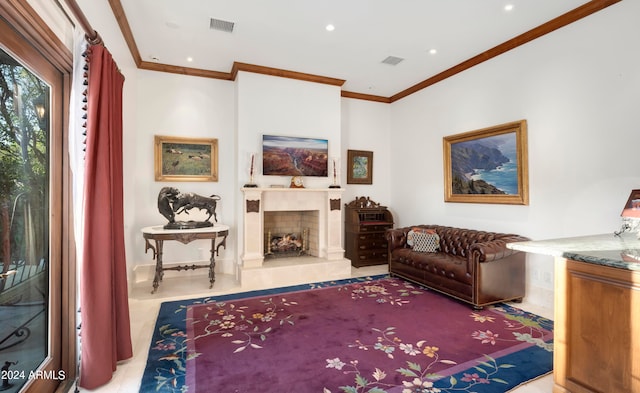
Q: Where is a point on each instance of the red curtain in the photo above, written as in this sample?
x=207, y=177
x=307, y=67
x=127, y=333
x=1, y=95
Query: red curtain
x=105, y=331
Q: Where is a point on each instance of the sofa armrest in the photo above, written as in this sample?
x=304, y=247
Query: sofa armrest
x=396, y=238
x=495, y=249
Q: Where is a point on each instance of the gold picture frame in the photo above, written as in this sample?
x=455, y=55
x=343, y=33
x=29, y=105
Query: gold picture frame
x=487, y=165
x=185, y=159
x=359, y=167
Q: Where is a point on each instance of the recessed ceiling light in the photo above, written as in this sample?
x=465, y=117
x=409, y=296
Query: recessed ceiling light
x=508, y=7
x=189, y=59
x=433, y=51
x=330, y=27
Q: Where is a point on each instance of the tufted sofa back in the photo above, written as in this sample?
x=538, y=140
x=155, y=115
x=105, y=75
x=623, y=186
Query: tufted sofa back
x=472, y=265
x=457, y=241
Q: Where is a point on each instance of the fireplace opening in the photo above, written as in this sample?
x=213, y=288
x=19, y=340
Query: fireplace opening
x=290, y=233
x=287, y=245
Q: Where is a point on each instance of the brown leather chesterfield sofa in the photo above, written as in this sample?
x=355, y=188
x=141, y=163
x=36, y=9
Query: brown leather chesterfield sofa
x=470, y=265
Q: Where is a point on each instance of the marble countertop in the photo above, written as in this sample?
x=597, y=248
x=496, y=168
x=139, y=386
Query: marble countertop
x=621, y=252
x=159, y=229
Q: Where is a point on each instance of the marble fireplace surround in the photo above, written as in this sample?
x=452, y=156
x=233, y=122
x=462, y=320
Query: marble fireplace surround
x=330, y=259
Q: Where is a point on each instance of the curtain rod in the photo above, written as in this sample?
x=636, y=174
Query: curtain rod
x=92, y=36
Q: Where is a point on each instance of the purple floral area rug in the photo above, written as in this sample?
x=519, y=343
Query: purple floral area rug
x=361, y=335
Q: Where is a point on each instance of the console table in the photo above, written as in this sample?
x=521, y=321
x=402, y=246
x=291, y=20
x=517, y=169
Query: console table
x=158, y=234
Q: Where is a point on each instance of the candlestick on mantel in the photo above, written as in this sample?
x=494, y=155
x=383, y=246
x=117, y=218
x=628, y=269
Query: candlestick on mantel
x=251, y=184
x=335, y=175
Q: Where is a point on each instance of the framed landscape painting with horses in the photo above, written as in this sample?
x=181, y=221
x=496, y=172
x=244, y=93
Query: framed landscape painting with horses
x=185, y=159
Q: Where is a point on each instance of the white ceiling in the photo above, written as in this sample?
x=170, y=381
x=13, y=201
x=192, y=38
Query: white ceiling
x=291, y=35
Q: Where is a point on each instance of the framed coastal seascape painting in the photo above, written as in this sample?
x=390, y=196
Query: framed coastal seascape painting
x=487, y=165
x=185, y=159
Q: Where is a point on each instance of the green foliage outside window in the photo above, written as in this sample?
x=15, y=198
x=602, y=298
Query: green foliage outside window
x=24, y=164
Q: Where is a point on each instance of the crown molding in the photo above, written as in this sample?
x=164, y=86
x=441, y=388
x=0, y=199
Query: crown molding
x=565, y=19
x=171, y=69
x=535, y=33
x=283, y=73
x=366, y=97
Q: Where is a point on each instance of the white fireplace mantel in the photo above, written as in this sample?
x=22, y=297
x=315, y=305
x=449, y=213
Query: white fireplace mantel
x=327, y=201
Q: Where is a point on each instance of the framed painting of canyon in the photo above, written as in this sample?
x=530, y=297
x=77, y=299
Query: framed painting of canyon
x=487, y=165
x=294, y=156
x=185, y=159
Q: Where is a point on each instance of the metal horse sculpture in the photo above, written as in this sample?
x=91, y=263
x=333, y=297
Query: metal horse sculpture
x=172, y=202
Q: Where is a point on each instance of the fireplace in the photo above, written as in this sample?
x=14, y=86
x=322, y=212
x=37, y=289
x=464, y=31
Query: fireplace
x=290, y=233
x=318, y=211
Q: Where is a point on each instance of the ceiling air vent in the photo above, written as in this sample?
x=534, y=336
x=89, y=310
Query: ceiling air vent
x=392, y=60
x=222, y=25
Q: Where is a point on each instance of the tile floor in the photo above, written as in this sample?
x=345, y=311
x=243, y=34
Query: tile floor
x=144, y=307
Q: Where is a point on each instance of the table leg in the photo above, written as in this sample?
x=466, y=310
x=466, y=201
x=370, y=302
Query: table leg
x=159, y=273
x=223, y=243
x=212, y=263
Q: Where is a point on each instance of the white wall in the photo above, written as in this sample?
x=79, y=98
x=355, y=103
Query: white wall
x=281, y=106
x=366, y=126
x=288, y=107
x=238, y=114
x=579, y=89
x=190, y=107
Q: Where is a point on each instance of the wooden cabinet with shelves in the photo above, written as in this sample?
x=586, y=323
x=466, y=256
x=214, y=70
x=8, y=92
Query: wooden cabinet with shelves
x=365, y=224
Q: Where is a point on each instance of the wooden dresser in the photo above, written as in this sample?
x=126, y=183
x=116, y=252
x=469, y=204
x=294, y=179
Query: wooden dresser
x=365, y=224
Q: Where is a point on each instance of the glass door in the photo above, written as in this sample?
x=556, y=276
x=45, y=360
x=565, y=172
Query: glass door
x=24, y=222
x=33, y=232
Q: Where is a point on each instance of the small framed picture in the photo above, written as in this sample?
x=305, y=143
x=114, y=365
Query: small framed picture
x=359, y=167
x=185, y=159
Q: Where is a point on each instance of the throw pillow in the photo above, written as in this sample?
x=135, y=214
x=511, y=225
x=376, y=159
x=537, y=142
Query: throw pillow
x=426, y=242
x=410, y=236
x=413, y=231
